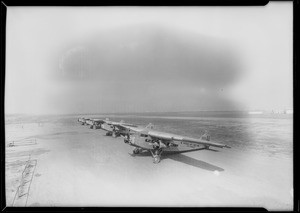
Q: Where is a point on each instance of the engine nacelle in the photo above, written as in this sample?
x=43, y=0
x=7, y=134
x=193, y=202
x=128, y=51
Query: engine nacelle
x=159, y=145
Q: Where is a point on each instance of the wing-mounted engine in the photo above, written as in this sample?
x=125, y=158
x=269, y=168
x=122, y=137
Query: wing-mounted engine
x=158, y=144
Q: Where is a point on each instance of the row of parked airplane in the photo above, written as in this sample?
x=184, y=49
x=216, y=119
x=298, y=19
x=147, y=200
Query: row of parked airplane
x=145, y=138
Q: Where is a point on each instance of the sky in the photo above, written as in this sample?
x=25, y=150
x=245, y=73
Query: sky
x=140, y=59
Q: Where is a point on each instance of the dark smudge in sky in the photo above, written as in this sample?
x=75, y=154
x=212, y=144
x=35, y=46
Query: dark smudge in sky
x=156, y=68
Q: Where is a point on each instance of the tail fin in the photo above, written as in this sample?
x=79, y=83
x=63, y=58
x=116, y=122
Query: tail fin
x=205, y=136
x=150, y=126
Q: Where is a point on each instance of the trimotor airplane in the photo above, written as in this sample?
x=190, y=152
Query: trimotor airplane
x=116, y=129
x=93, y=122
x=82, y=121
x=113, y=128
x=156, y=142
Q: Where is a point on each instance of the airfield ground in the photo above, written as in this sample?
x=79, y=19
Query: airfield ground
x=66, y=164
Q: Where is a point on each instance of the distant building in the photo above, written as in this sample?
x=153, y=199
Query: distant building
x=277, y=112
x=288, y=111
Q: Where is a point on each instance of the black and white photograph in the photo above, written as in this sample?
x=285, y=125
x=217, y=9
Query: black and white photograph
x=149, y=106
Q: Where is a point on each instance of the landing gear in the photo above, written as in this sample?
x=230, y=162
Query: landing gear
x=137, y=151
x=156, y=155
x=126, y=138
x=108, y=133
x=114, y=134
x=94, y=127
x=156, y=159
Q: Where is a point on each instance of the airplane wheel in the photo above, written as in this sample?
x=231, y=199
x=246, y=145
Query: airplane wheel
x=136, y=151
x=156, y=159
x=94, y=127
x=114, y=135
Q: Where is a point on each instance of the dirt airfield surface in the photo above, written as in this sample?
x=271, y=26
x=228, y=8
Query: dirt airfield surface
x=60, y=163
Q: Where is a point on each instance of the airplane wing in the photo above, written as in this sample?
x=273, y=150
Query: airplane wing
x=204, y=142
x=98, y=121
x=135, y=128
x=109, y=125
x=184, y=140
x=130, y=127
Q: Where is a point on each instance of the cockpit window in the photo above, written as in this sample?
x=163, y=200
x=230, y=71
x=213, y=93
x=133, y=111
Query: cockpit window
x=143, y=135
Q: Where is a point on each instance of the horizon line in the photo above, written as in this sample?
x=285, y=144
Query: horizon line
x=91, y=113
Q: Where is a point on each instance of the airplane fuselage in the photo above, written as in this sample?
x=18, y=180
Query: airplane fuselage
x=170, y=142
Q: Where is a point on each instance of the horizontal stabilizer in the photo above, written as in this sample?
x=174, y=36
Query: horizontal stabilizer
x=150, y=126
x=205, y=136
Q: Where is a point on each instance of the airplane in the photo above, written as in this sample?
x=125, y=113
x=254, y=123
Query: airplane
x=156, y=142
x=94, y=123
x=82, y=120
x=113, y=128
x=116, y=129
